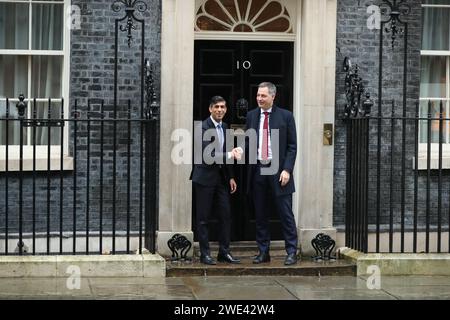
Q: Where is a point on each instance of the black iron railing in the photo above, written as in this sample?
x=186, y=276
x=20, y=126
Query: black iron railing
x=96, y=194
x=405, y=207
x=104, y=175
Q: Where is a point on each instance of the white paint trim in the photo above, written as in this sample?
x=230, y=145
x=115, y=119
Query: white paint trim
x=238, y=11
x=285, y=5
x=297, y=109
x=21, y=52
x=223, y=23
x=34, y=1
x=30, y=62
x=40, y=159
x=317, y=94
x=244, y=36
x=177, y=76
x=247, y=12
x=434, y=52
x=259, y=12
x=41, y=164
x=226, y=12
x=269, y=21
x=435, y=6
x=30, y=100
x=65, y=77
x=41, y=151
x=422, y=162
x=30, y=25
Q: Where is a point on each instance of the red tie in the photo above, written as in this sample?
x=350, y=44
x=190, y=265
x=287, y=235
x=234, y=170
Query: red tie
x=265, y=139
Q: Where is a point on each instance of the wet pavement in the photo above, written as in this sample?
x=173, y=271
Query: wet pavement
x=228, y=288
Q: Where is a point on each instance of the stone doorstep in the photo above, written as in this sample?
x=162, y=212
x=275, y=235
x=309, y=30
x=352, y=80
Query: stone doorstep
x=427, y=264
x=144, y=265
x=305, y=267
x=244, y=248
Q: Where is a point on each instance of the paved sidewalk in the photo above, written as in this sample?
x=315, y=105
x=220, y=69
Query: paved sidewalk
x=228, y=288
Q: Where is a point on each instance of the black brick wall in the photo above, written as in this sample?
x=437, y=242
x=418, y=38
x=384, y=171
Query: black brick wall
x=357, y=41
x=92, y=77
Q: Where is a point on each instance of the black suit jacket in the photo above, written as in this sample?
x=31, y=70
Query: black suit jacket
x=213, y=174
x=283, y=120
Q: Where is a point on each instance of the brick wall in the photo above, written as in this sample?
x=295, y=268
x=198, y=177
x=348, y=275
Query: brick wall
x=358, y=42
x=92, y=77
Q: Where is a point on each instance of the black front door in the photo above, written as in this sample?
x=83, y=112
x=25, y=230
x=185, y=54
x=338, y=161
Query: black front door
x=233, y=70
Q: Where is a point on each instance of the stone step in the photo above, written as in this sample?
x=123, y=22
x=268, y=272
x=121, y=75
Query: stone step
x=244, y=248
x=306, y=267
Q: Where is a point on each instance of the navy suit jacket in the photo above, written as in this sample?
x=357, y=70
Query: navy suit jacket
x=212, y=174
x=283, y=120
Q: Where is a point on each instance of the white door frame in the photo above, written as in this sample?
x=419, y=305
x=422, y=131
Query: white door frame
x=314, y=41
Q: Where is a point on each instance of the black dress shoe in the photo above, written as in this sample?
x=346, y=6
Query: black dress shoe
x=206, y=259
x=261, y=258
x=227, y=257
x=290, y=259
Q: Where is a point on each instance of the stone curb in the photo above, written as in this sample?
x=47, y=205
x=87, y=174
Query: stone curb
x=426, y=264
x=144, y=265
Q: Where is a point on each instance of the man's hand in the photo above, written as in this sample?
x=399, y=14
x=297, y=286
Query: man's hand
x=233, y=186
x=237, y=153
x=284, y=178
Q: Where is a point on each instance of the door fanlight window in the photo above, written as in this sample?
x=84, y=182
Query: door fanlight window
x=243, y=16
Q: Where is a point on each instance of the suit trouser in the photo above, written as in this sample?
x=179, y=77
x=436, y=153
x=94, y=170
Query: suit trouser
x=262, y=192
x=206, y=199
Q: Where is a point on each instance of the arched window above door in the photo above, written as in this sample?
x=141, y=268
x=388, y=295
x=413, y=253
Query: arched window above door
x=243, y=16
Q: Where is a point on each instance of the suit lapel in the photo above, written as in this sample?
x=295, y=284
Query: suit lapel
x=210, y=123
x=255, y=124
x=224, y=128
x=274, y=118
x=224, y=135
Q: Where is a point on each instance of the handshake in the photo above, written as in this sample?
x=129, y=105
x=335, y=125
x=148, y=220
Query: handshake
x=236, y=153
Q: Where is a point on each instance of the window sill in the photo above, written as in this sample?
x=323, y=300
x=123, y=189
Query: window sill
x=41, y=164
x=434, y=162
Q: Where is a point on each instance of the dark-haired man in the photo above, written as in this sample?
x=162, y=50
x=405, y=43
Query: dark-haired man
x=213, y=181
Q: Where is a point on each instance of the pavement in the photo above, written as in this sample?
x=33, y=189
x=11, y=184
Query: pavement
x=228, y=288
